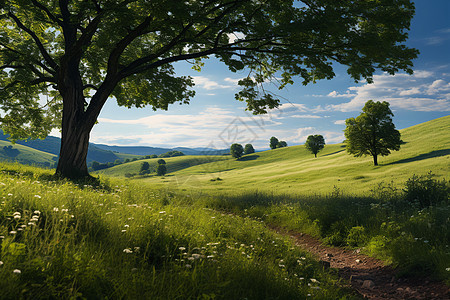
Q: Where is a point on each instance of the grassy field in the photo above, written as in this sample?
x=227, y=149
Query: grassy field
x=26, y=155
x=122, y=240
x=294, y=170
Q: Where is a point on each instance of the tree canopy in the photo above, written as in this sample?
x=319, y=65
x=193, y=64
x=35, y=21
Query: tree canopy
x=248, y=149
x=60, y=61
x=372, y=132
x=236, y=150
x=315, y=143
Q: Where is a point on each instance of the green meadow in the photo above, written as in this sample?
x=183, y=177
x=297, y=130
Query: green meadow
x=293, y=170
x=203, y=230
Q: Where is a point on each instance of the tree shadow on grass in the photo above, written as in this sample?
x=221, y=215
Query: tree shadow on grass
x=431, y=154
x=250, y=157
x=333, y=153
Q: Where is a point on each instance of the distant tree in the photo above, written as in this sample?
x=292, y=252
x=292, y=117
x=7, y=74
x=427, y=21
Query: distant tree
x=145, y=168
x=95, y=165
x=117, y=162
x=273, y=142
x=134, y=159
x=315, y=143
x=153, y=156
x=248, y=149
x=86, y=53
x=161, y=170
x=161, y=161
x=372, y=132
x=236, y=150
x=281, y=144
x=127, y=160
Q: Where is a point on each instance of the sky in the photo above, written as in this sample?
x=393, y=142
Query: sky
x=215, y=119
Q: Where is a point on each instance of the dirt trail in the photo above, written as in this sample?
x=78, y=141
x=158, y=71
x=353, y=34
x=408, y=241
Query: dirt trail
x=368, y=276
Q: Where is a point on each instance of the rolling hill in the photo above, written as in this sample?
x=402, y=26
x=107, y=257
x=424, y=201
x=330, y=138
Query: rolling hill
x=294, y=170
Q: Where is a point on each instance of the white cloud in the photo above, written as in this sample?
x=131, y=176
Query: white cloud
x=306, y=117
x=331, y=137
x=214, y=125
x=422, y=91
x=335, y=94
x=339, y=122
x=208, y=84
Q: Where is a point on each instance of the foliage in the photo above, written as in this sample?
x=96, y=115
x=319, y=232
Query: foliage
x=425, y=191
x=273, y=142
x=248, y=149
x=372, y=132
x=281, y=144
x=236, y=150
x=80, y=55
x=161, y=162
x=173, y=153
x=315, y=143
x=161, y=170
x=145, y=168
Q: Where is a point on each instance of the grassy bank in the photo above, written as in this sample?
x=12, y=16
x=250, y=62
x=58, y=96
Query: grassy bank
x=61, y=240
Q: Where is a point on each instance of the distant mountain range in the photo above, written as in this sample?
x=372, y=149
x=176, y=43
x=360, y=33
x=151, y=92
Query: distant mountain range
x=105, y=153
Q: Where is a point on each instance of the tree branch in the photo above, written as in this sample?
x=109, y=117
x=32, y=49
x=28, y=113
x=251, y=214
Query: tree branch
x=40, y=46
x=47, y=11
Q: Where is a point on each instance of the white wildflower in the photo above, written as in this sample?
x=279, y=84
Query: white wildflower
x=182, y=248
x=37, y=196
x=17, y=271
x=12, y=232
x=127, y=250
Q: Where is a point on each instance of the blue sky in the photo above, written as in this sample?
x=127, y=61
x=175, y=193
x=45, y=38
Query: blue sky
x=215, y=119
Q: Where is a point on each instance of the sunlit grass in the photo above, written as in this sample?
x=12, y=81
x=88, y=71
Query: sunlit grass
x=62, y=240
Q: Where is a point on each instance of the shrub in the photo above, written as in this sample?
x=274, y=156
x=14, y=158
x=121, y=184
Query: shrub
x=161, y=162
x=356, y=237
x=161, y=170
x=426, y=191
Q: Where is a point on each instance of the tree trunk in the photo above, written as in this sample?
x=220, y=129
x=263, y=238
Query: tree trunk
x=315, y=155
x=375, y=160
x=72, y=156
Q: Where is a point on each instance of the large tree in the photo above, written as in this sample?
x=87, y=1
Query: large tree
x=61, y=60
x=372, y=132
x=315, y=143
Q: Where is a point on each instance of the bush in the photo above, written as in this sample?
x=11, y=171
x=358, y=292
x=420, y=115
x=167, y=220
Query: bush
x=356, y=237
x=161, y=170
x=425, y=191
x=161, y=162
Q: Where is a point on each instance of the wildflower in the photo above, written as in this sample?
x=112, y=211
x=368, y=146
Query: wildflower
x=17, y=271
x=447, y=269
x=426, y=241
x=108, y=213
x=2, y=236
x=10, y=194
x=55, y=209
x=23, y=226
x=37, y=196
x=123, y=230
x=188, y=266
x=12, y=232
x=127, y=250
x=17, y=217
x=1, y=263
x=37, y=212
x=196, y=256
x=191, y=258
x=31, y=224
x=137, y=249
x=162, y=212
x=64, y=210
x=314, y=280
x=182, y=248
x=134, y=270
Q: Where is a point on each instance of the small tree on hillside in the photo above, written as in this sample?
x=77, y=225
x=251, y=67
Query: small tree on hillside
x=281, y=144
x=248, y=149
x=273, y=142
x=161, y=162
x=372, y=132
x=145, y=168
x=315, y=143
x=161, y=170
x=236, y=150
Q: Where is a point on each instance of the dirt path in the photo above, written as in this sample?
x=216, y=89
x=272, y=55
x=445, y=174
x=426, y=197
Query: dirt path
x=368, y=276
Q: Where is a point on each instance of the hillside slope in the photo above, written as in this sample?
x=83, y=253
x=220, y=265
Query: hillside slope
x=295, y=170
x=25, y=155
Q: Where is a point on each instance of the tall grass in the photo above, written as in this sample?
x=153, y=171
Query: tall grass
x=62, y=240
x=403, y=226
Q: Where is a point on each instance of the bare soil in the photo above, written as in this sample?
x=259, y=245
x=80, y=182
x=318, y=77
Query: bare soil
x=369, y=276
